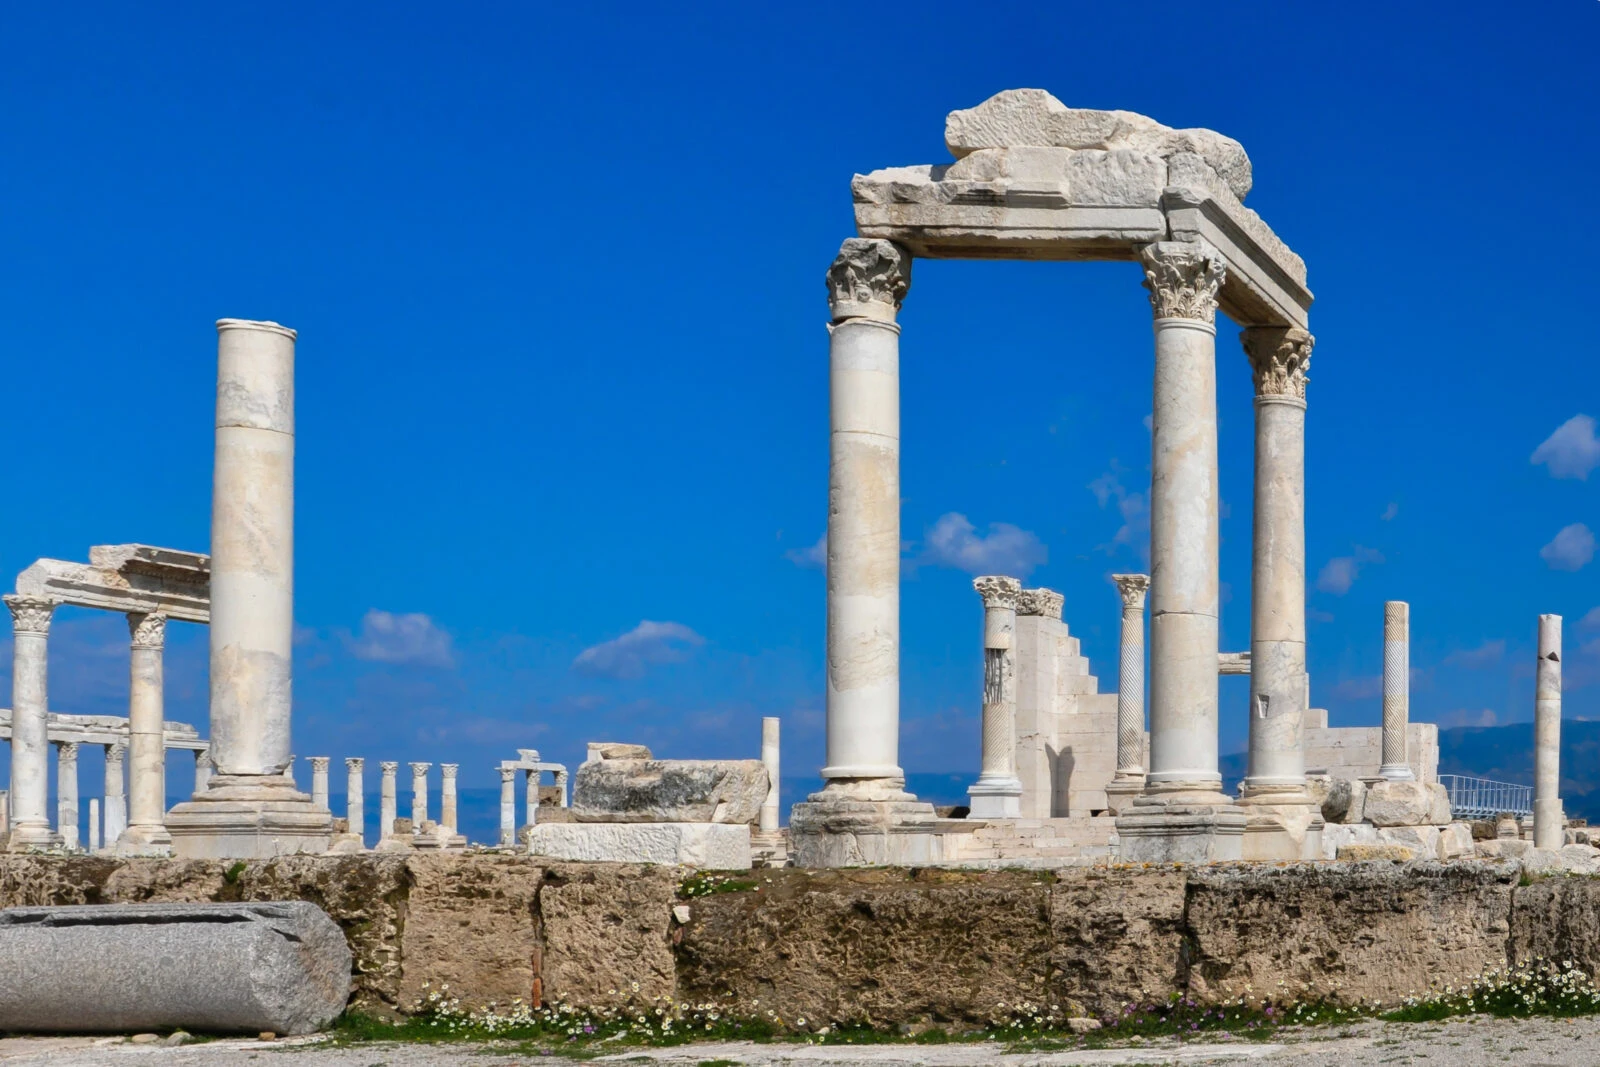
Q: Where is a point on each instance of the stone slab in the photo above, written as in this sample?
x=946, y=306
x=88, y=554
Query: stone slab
x=217, y=968
x=613, y=790
x=717, y=846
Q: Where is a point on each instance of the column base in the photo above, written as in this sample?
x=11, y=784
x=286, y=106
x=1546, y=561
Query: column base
x=1391, y=772
x=32, y=838
x=995, y=798
x=857, y=822
x=144, y=841
x=1157, y=829
x=241, y=816
x=1122, y=791
x=1282, y=827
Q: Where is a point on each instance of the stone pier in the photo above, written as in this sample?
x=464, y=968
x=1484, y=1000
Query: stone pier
x=1549, y=821
x=1128, y=782
x=146, y=834
x=997, y=794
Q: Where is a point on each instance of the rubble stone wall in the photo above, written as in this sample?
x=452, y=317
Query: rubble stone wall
x=883, y=945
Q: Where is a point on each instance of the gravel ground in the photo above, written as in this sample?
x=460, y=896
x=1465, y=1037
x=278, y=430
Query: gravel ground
x=1469, y=1041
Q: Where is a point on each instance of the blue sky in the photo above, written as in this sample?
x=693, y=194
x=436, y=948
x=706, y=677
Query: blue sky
x=557, y=272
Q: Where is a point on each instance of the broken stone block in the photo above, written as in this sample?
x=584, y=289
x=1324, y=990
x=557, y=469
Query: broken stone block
x=217, y=968
x=1357, y=853
x=1341, y=799
x=1399, y=804
x=599, y=750
x=676, y=791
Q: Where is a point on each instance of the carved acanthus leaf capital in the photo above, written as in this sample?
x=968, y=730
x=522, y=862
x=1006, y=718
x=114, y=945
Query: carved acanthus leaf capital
x=869, y=279
x=389, y=767
x=998, y=591
x=115, y=752
x=420, y=770
x=1280, y=356
x=1183, y=278
x=355, y=763
x=1046, y=602
x=67, y=751
x=148, y=630
x=30, y=614
x=1133, y=588
x=320, y=763
x=449, y=770
x=507, y=775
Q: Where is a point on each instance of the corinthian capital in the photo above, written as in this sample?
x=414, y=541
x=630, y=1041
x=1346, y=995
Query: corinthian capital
x=148, y=630
x=1280, y=357
x=998, y=591
x=869, y=279
x=30, y=614
x=1183, y=278
x=1046, y=602
x=1133, y=588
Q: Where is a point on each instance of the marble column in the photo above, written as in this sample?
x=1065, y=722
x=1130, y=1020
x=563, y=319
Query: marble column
x=249, y=808
x=30, y=716
x=147, y=746
x=1183, y=814
x=116, y=808
x=1128, y=782
x=530, y=784
x=508, y=807
x=770, y=759
x=319, y=781
x=388, y=809
x=1396, y=691
x=94, y=824
x=447, y=796
x=419, y=796
x=67, y=793
x=355, y=801
x=202, y=770
x=997, y=794
x=1549, y=821
x=1275, y=780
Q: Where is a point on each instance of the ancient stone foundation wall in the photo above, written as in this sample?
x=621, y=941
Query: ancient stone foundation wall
x=886, y=946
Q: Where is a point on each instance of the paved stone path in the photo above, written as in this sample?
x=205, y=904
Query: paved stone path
x=1524, y=1043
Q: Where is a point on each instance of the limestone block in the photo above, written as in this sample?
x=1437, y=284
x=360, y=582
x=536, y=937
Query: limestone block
x=606, y=927
x=1359, y=853
x=716, y=846
x=1502, y=848
x=1336, y=836
x=1399, y=804
x=222, y=968
x=1455, y=841
x=1421, y=840
x=1116, y=934
x=669, y=791
x=1342, y=799
x=599, y=750
x=472, y=926
x=1569, y=859
x=1439, y=804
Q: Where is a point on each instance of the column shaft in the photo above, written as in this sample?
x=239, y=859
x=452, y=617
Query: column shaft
x=1549, y=821
x=998, y=793
x=387, y=802
x=147, y=746
x=116, y=810
x=30, y=714
x=1130, y=677
x=508, y=807
x=67, y=793
x=202, y=770
x=770, y=813
x=94, y=824
x=1396, y=690
x=355, y=801
x=419, y=795
x=319, y=781
x=447, y=795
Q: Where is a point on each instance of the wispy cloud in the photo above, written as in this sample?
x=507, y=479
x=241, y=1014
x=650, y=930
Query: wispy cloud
x=1591, y=620
x=812, y=555
x=1364, y=687
x=414, y=639
x=635, y=652
x=1341, y=572
x=1470, y=717
x=1570, y=549
x=1572, y=451
x=1390, y=512
x=954, y=542
x=1134, y=509
x=1475, y=659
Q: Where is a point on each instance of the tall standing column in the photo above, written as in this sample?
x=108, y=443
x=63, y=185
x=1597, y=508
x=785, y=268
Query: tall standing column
x=1396, y=690
x=419, y=796
x=1279, y=358
x=508, y=807
x=447, y=796
x=147, y=746
x=1128, y=781
x=997, y=794
x=116, y=794
x=30, y=716
x=94, y=825
x=1549, y=821
x=388, y=804
x=319, y=781
x=250, y=808
x=355, y=801
x=67, y=793
x=770, y=726
x=202, y=769
x=1183, y=814
x=530, y=784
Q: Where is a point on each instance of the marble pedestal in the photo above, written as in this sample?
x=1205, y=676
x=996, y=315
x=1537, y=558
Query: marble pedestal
x=1152, y=830
x=248, y=817
x=1122, y=792
x=997, y=799
x=1281, y=832
x=845, y=826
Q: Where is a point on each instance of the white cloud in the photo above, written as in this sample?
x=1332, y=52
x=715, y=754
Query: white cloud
x=812, y=555
x=411, y=639
x=1485, y=655
x=952, y=541
x=1132, y=507
x=1362, y=688
x=1570, y=549
x=1340, y=572
x=1390, y=512
x=1470, y=717
x=1572, y=451
x=1591, y=620
x=643, y=647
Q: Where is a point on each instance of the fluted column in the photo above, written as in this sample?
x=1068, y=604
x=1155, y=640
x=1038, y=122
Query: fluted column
x=67, y=792
x=508, y=807
x=770, y=726
x=1183, y=279
x=1279, y=358
x=997, y=794
x=1549, y=821
x=447, y=795
x=116, y=811
x=866, y=285
x=355, y=801
x=1396, y=690
x=388, y=808
x=419, y=795
x=147, y=747
x=30, y=716
x=1129, y=778
x=319, y=781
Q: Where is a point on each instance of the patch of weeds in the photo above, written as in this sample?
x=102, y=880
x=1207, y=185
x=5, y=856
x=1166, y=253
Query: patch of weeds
x=1535, y=987
x=705, y=884
x=718, y=1063
x=231, y=875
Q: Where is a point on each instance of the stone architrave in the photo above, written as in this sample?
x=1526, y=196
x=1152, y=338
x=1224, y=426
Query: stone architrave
x=67, y=793
x=1549, y=821
x=770, y=726
x=1128, y=782
x=1182, y=814
x=249, y=809
x=508, y=807
x=116, y=796
x=146, y=834
x=1396, y=690
x=30, y=742
x=354, y=798
x=997, y=794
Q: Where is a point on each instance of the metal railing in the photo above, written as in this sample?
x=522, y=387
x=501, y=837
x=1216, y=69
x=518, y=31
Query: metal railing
x=1480, y=798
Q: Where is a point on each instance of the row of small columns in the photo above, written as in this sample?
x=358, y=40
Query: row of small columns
x=867, y=284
